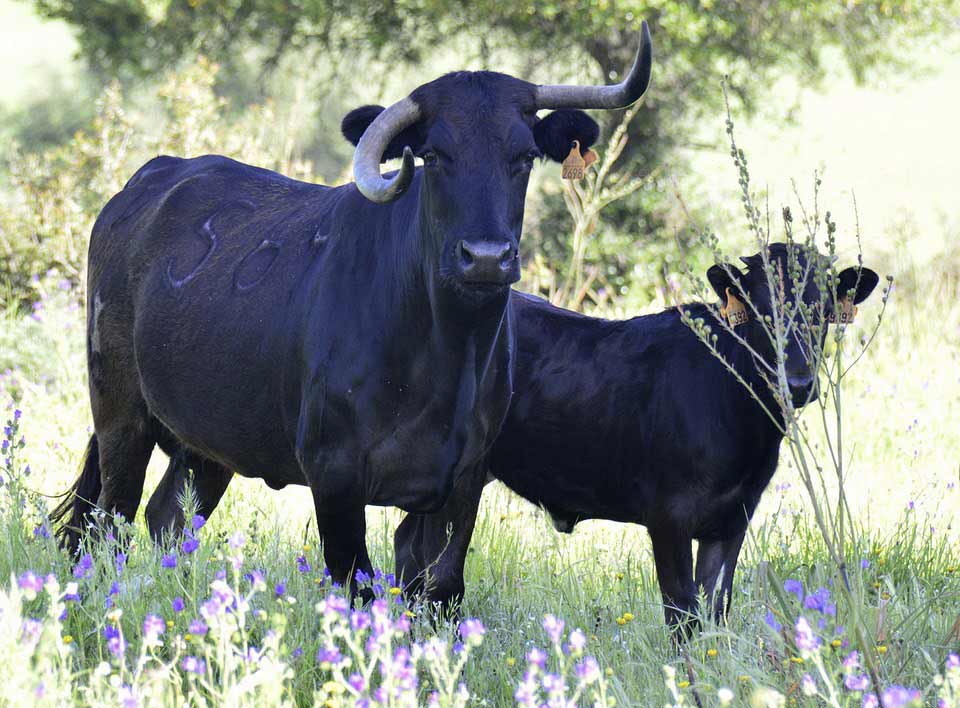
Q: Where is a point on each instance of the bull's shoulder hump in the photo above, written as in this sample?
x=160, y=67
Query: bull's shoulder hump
x=167, y=172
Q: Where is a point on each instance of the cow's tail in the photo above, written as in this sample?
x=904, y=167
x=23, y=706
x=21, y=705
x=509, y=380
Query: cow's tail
x=72, y=513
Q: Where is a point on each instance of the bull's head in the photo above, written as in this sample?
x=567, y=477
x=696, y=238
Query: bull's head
x=801, y=294
x=478, y=135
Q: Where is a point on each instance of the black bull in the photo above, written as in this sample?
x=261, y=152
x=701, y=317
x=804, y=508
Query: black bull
x=353, y=339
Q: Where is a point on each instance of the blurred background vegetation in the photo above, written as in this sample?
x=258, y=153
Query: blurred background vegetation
x=97, y=87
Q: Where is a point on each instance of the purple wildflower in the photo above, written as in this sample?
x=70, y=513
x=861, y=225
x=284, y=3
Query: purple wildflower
x=772, y=621
x=153, y=627
x=820, y=601
x=899, y=696
x=805, y=638
x=30, y=630
x=190, y=544
x=361, y=577
x=357, y=682
x=864, y=563
x=537, y=657
x=794, y=586
x=808, y=686
x=870, y=701
x=177, y=604
x=359, y=621
x=280, y=589
x=578, y=640
x=116, y=645
x=169, y=560
x=856, y=682
x=197, y=522
x=30, y=583
x=472, y=631
x=953, y=662
x=237, y=540
x=71, y=593
x=302, y=565
x=588, y=670
x=41, y=531
x=329, y=654
x=197, y=628
x=120, y=562
x=193, y=665
x=553, y=627
x=82, y=568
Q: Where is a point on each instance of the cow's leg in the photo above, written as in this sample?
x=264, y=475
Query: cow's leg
x=718, y=560
x=342, y=523
x=731, y=554
x=209, y=481
x=431, y=549
x=710, y=558
x=673, y=556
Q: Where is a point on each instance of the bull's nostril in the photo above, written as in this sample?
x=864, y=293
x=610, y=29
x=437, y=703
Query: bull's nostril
x=466, y=257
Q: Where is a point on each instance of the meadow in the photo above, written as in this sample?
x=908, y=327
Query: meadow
x=240, y=611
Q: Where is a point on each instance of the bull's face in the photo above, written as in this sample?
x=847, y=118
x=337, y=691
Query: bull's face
x=478, y=149
x=807, y=297
x=479, y=137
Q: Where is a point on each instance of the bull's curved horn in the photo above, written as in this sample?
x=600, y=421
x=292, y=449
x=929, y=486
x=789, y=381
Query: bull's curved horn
x=621, y=95
x=375, y=139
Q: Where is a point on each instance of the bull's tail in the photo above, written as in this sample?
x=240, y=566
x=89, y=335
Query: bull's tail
x=72, y=514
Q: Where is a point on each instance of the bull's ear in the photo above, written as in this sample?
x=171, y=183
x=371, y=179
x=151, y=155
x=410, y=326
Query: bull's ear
x=726, y=276
x=861, y=280
x=555, y=133
x=358, y=120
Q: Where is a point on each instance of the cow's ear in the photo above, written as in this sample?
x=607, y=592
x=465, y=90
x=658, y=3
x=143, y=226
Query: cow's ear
x=358, y=120
x=724, y=276
x=861, y=280
x=556, y=133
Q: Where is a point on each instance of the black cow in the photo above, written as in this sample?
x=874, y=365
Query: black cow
x=635, y=421
x=353, y=339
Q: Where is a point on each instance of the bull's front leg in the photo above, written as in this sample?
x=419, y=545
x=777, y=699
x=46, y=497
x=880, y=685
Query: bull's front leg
x=431, y=549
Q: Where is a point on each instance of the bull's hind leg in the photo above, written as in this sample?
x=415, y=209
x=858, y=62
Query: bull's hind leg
x=125, y=448
x=165, y=508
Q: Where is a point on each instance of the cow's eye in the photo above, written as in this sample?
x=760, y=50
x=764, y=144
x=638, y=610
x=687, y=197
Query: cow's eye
x=430, y=157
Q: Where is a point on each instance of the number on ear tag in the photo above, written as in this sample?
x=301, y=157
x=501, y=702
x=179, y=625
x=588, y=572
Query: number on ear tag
x=735, y=311
x=574, y=166
x=845, y=313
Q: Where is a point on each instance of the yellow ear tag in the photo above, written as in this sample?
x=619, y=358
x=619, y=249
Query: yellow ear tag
x=590, y=157
x=846, y=312
x=574, y=166
x=735, y=311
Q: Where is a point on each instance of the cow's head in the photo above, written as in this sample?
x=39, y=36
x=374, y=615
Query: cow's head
x=808, y=306
x=479, y=136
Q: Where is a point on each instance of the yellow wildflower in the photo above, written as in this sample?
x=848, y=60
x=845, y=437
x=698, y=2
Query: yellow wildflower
x=67, y=639
x=712, y=653
x=395, y=591
x=511, y=661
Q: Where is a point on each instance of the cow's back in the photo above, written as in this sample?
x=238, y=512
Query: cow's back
x=627, y=421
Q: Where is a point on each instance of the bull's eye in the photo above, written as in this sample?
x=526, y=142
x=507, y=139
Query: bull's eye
x=524, y=161
x=430, y=157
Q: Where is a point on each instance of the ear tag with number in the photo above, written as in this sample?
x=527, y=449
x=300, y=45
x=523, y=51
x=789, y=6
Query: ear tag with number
x=845, y=313
x=574, y=166
x=735, y=311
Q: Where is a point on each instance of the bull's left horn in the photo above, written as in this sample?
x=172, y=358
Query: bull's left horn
x=624, y=94
x=373, y=143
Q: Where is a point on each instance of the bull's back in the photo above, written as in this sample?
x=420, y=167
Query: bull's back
x=202, y=260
